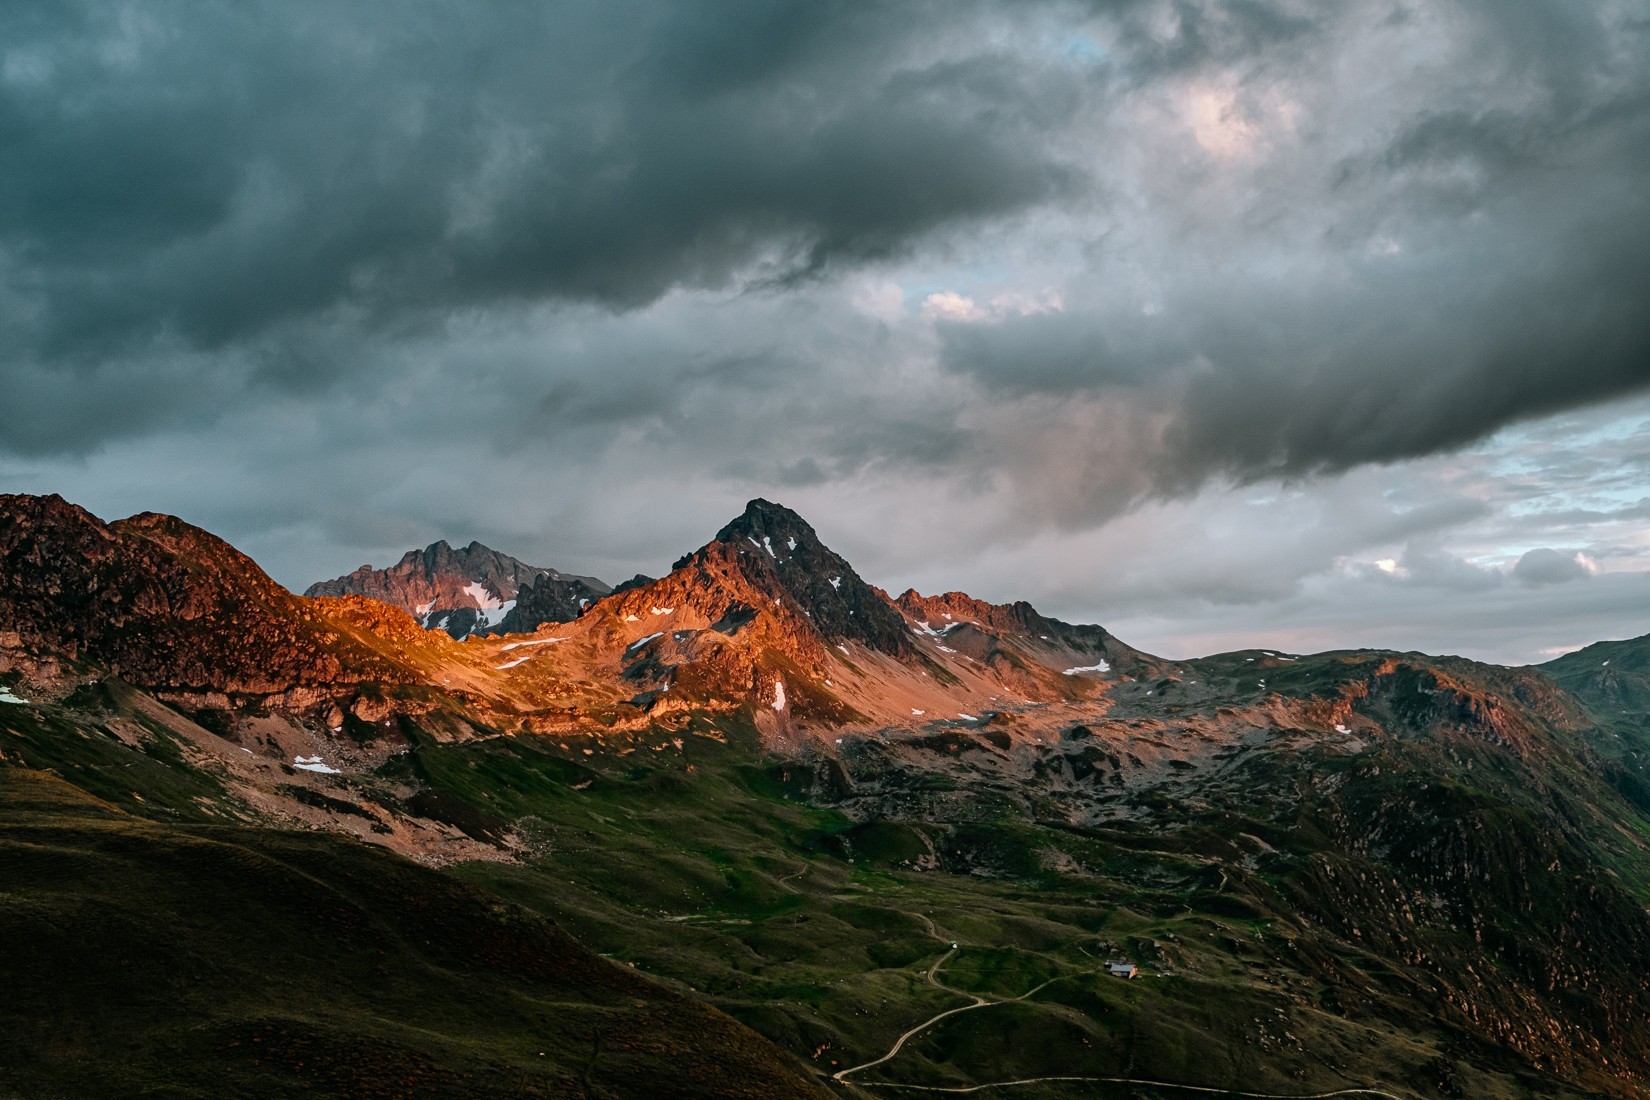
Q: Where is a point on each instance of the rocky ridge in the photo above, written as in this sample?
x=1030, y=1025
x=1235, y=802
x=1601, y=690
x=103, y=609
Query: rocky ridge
x=169, y=606
x=469, y=590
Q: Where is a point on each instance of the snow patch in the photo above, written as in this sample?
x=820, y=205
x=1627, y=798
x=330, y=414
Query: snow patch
x=914, y=710
x=661, y=610
x=1101, y=667
x=514, y=663
x=791, y=543
x=313, y=764
x=767, y=544
x=779, y=695
x=493, y=616
x=8, y=697
x=523, y=645
x=631, y=619
x=483, y=598
x=639, y=642
x=969, y=717
x=1341, y=729
x=844, y=649
x=424, y=608
x=836, y=582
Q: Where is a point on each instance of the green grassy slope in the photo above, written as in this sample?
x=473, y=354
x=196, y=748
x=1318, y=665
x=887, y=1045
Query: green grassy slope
x=152, y=958
x=820, y=933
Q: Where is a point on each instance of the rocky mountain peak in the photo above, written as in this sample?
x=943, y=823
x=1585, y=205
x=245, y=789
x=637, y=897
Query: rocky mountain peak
x=765, y=519
x=469, y=590
x=770, y=540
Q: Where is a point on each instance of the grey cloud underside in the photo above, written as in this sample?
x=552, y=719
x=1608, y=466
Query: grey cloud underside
x=209, y=177
x=1548, y=566
x=1513, y=269
x=205, y=209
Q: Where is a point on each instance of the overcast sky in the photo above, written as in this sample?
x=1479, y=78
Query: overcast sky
x=1260, y=322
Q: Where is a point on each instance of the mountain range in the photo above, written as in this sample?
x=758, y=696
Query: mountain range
x=801, y=818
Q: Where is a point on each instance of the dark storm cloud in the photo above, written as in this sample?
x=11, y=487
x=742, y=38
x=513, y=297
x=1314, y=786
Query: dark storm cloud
x=1468, y=262
x=1054, y=353
x=274, y=182
x=202, y=177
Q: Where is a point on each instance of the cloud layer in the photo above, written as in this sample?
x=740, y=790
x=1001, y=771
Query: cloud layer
x=971, y=283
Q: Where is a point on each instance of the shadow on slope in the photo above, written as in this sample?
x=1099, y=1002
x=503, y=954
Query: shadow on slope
x=146, y=958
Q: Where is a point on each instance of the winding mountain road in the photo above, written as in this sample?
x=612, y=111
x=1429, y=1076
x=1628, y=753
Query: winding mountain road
x=932, y=978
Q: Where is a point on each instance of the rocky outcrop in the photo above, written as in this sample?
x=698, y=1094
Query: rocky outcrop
x=1015, y=618
x=966, y=622
x=551, y=598
x=466, y=591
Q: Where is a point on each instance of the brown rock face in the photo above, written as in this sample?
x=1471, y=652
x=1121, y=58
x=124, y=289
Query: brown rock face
x=1019, y=625
x=1001, y=618
x=468, y=590
x=753, y=617
x=165, y=605
x=775, y=548
x=552, y=598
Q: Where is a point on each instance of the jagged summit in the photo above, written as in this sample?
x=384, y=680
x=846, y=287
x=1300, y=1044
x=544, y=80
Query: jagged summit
x=765, y=518
x=771, y=538
x=469, y=590
x=767, y=579
x=551, y=598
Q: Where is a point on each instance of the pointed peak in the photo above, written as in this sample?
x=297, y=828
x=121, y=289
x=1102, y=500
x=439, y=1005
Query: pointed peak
x=764, y=517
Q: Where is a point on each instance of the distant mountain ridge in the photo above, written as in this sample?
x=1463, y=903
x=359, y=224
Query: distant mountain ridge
x=469, y=590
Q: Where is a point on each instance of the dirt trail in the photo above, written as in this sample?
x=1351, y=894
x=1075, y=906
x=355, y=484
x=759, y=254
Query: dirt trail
x=932, y=978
